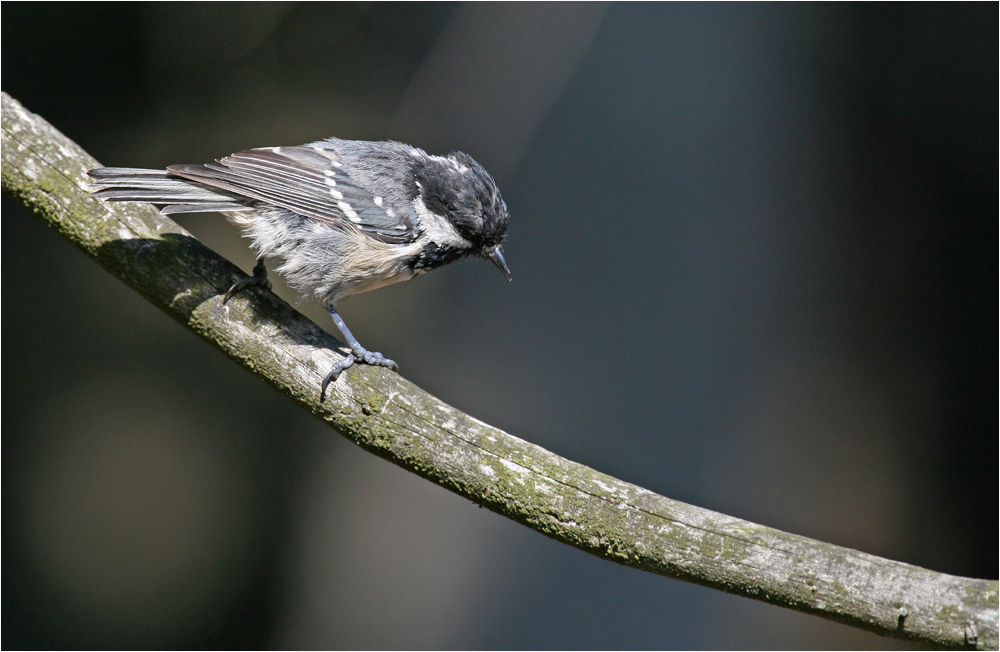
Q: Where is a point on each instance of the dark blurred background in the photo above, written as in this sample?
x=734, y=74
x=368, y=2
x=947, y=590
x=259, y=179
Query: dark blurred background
x=755, y=267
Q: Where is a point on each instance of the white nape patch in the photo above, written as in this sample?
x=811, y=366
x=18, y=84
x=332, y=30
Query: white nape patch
x=455, y=165
x=348, y=211
x=438, y=228
x=336, y=194
x=378, y=200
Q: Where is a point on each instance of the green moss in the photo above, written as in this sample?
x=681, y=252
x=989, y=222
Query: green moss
x=949, y=613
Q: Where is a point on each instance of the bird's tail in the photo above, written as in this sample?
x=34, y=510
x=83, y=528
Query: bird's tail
x=175, y=194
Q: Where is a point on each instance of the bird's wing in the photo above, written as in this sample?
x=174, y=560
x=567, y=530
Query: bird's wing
x=307, y=181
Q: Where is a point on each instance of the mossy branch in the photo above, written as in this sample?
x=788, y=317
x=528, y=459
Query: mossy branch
x=391, y=417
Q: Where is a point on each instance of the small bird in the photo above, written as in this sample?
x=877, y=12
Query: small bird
x=344, y=216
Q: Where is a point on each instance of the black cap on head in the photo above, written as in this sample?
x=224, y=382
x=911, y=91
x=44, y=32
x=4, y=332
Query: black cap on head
x=462, y=190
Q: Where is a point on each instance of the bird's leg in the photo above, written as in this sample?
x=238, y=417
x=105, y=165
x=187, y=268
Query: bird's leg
x=358, y=353
x=259, y=278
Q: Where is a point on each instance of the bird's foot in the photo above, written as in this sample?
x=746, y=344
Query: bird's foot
x=259, y=278
x=359, y=355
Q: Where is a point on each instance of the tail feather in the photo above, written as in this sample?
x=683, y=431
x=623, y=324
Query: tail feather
x=205, y=208
x=102, y=173
x=159, y=187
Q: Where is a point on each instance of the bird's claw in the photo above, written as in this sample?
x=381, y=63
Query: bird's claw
x=259, y=278
x=356, y=356
x=246, y=282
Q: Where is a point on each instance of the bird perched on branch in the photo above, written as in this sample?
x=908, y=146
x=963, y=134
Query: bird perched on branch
x=344, y=216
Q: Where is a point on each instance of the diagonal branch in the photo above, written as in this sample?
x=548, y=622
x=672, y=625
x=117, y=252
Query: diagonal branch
x=387, y=415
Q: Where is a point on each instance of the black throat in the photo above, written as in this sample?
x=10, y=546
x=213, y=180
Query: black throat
x=433, y=256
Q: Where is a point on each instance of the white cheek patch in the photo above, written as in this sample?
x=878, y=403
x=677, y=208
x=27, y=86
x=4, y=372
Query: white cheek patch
x=438, y=228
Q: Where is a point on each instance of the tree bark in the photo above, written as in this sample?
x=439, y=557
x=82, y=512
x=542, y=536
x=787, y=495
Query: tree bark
x=387, y=415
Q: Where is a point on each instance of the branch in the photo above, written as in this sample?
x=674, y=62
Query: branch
x=387, y=415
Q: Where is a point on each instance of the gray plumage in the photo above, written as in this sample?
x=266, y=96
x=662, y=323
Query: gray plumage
x=343, y=216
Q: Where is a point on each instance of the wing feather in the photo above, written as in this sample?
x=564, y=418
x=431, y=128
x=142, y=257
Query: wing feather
x=307, y=181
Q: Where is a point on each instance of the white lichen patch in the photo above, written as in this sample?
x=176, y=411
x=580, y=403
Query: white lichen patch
x=514, y=466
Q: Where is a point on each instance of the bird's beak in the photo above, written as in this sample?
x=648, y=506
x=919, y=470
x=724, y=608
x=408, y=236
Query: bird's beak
x=496, y=256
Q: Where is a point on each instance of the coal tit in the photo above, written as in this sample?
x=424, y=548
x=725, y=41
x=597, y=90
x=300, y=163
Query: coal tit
x=344, y=216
